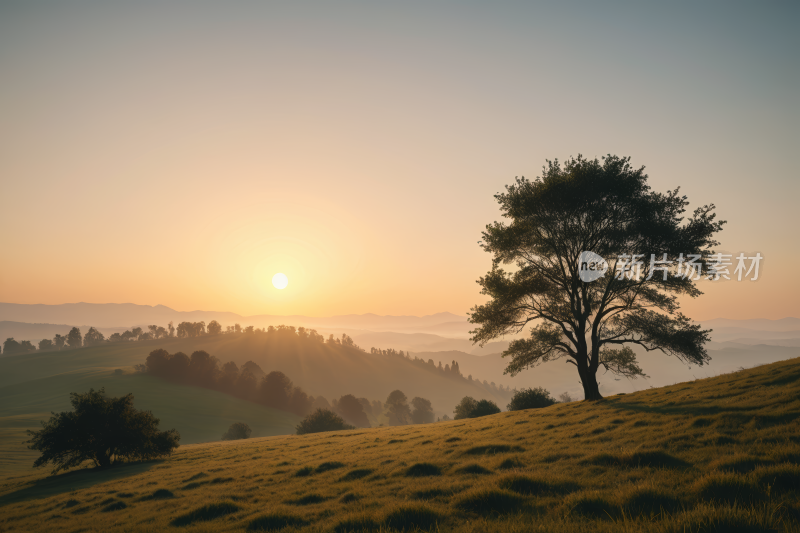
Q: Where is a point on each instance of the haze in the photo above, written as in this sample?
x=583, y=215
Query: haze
x=183, y=154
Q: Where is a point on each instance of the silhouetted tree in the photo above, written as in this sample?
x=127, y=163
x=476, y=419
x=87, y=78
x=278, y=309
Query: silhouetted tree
x=299, y=402
x=423, y=411
x=93, y=337
x=465, y=407
x=254, y=368
x=237, y=431
x=59, y=341
x=137, y=333
x=100, y=429
x=352, y=411
x=397, y=409
x=607, y=209
x=157, y=362
x=10, y=346
x=115, y=337
x=565, y=397
x=246, y=385
x=320, y=403
x=275, y=390
x=74, y=338
x=214, y=328
x=171, y=329
x=322, y=420
x=203, y=368
x=530, y=399
x=45, y=344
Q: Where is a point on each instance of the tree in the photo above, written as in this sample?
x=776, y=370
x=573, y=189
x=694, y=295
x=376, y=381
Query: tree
x=203, y=368
x=237, y=431
x=564, y=397
x=423, y=411
x=275, y=390
x=569, y=228
x=93, y=337
x=59, y=341
x=299, y=402
x=74, y=338
x=100, y=429
x=171, y=329
x=214, y=328
x=26, y=347
x=530, y=399
x=468, y=407
x=137, y=333
x=45, y=344
x=322, y=420
x=465, y=407
x=397, y=409
x=10, y=346
x=352, y=411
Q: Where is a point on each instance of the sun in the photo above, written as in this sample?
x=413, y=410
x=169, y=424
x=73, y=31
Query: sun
x=280, y=280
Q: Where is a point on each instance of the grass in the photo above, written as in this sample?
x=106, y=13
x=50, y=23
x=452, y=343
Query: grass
x=652, y=468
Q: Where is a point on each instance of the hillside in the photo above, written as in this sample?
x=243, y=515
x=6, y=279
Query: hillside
x=32, y=385
x=719, y=454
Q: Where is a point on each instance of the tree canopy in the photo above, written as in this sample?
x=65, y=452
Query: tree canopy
x=322, y=420
x=607, y=209
x=102, y=430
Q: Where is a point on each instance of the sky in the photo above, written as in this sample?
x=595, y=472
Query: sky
x=182, y=153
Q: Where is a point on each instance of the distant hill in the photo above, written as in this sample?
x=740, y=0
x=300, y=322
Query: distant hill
x=126, y=315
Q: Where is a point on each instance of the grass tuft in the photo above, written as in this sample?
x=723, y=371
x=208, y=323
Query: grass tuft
x=116, y=506
x=205, y=513
x=536, y=487
x=423, y=469
x=474, y=469
x=492, y=449
x=331, y=465
x=358, y=473
x=412, y=518
x=490, y=502
x=357, y=524
x=274, y=522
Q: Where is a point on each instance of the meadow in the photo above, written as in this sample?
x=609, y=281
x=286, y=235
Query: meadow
x=720, y=454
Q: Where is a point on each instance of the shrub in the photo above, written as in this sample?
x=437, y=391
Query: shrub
x=237, y=431
x=322, y=420
x=205, y=513
x=100, y=429
x=468, y=407
x=530, y=399
x=303, y=472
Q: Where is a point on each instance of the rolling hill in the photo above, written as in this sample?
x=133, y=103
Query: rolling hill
x=714, y=455
x=32, y=385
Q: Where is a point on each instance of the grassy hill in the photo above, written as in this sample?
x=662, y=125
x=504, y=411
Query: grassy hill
x=33, y=385
x=719, y=454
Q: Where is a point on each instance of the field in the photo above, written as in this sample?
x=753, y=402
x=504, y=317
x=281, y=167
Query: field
x=720, y=454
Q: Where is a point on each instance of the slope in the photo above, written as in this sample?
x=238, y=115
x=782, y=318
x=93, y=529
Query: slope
x=719, y=454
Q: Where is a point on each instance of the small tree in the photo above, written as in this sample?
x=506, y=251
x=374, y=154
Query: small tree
x=214, y=328
x=468, y=407
x=93, y=337
x=423, y=411
x=237, y=431
x=397, y=409
x=564, y=397
x=530, y=399
x=45, y=344
x=352, y=411
x=322, y=420
x=74, y=339
x=100, y=429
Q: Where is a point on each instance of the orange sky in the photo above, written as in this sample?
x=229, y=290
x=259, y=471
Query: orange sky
x=182, y=155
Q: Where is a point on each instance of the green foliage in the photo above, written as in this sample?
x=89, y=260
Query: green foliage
x=322, y=420
x=606, y=208
x=100, y=429
x=468, y=407
x=237, y=431
x=535, y=398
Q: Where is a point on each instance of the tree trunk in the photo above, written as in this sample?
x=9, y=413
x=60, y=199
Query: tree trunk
x=591, y=391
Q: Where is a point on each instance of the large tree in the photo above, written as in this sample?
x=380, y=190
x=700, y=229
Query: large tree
x=102, y=430
x=626, y=291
